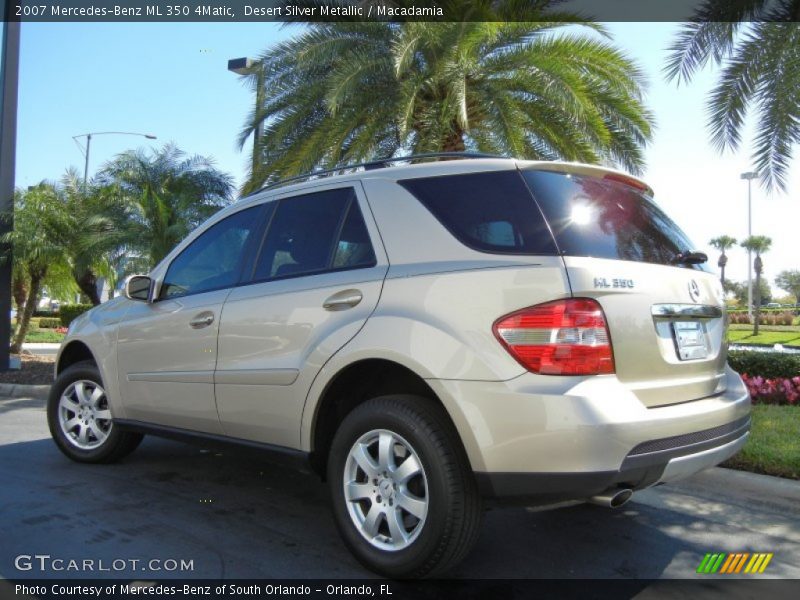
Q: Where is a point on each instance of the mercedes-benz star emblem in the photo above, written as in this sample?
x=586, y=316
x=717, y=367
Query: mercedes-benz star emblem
x=694, y=290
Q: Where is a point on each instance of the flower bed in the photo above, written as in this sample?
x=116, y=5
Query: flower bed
x=780, y=390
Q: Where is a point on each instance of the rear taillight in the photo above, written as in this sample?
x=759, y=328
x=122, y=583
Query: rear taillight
x=565, y=337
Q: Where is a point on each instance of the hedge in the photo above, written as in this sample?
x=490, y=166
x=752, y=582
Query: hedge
x=792, y=309
x=69, y=312
x=770, y=365
x=49, y=323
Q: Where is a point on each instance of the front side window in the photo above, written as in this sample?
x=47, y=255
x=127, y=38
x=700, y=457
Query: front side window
x=213, y=260
x=315, y=233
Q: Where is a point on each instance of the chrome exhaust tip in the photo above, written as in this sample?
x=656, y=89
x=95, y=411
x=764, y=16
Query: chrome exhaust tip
x=613, y=498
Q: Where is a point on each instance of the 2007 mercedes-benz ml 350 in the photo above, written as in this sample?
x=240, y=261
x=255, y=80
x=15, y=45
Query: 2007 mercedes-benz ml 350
x=424, y=335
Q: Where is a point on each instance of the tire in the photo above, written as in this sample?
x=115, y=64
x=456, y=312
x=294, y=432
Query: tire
x=80, y=419
x=433, y=538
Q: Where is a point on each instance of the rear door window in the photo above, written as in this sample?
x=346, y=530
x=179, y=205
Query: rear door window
x=315, y=233
x=490, y=212
x=606, y=218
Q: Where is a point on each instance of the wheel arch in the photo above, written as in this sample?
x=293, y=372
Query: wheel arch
x=74, y=352
x=354, y=384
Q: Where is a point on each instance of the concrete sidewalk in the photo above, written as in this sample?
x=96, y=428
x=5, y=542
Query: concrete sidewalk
x=42, y=349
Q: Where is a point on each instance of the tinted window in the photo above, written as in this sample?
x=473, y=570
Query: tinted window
x=213, y=260
x=315, y=233
x=604, y=218
x=353, y=248
x=490, y=212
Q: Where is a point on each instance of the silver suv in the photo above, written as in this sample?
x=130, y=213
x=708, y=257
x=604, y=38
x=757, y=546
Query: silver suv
x=423, y=336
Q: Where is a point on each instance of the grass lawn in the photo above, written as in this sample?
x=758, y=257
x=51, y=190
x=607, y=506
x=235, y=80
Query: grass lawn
x=40, y=336
x=744, y=327
x=774, y=444
x=44, y=335
x=787, y=338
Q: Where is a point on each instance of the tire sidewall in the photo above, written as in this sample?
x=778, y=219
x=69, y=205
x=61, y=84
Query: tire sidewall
x=74, y=373
x=366, y=418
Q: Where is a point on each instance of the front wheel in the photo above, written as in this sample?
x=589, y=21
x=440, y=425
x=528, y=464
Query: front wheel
x=404, y=498
x=80, y=417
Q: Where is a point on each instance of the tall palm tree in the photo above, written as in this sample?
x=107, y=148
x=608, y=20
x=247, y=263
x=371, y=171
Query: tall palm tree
x=165, y=194
x=344, y=92
x=722, y=243
x=758, y=44
x=37, y=252
x=759, y=244
x=85, y=232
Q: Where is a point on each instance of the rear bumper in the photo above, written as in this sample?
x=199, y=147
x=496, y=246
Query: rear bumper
x=637, y=472
x=545, y=439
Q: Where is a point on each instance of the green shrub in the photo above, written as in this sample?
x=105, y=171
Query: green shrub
x=43, y=313
x=49, y=323
x=765, y=364
x=69, y=312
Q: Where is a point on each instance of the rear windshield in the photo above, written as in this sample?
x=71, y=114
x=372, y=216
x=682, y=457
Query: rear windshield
x=489, y=212
x=603, y=218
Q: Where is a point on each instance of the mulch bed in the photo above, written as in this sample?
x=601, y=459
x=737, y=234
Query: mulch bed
x=36, y=370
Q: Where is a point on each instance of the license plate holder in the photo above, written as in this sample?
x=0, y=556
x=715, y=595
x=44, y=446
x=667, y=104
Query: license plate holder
x=690, y=340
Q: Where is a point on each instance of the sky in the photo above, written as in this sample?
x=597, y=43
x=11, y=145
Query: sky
x=171, y=80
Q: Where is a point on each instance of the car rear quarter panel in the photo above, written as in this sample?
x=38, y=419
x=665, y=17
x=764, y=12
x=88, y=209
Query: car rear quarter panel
x=439, y=324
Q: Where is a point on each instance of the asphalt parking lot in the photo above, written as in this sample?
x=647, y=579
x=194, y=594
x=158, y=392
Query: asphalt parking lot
x=240, y=517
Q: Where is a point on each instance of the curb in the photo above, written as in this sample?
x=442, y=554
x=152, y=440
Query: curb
x=19, y=390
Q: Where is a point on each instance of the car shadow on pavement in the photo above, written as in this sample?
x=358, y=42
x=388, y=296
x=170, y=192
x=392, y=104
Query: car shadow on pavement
x=239, y=516
x=8, y=405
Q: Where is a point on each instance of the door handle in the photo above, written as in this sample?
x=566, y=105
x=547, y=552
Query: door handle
x=343, y=300
x=204, y=319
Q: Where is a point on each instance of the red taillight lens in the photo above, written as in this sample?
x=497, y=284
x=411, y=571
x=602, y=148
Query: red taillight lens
x=565, y=337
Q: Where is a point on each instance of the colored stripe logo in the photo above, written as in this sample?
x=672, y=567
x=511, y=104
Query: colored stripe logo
x=740, y=562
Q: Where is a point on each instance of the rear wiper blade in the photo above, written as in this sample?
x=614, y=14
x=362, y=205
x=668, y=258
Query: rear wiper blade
x=689, y=258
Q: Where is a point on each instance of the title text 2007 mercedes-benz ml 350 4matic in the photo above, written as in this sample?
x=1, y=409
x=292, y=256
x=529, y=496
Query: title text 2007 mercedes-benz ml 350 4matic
x=424, y=336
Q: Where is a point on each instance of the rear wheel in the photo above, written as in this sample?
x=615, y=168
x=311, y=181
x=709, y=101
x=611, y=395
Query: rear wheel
x=80, y=419
x=405, y=500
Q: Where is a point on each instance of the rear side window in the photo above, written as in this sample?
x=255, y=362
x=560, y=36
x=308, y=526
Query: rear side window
x=489, y=212
x=315, y=233
x=605, y=218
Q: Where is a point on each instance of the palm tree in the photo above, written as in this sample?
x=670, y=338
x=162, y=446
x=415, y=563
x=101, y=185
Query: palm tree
x=344, y=92
x=164, y=195
x=85, y=232
x=759, y=244
x=758, y=44
x=722, y=243
x=37, y=252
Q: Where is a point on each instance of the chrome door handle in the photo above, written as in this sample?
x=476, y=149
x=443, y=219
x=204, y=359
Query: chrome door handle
x=204, y=319
x=343, y=300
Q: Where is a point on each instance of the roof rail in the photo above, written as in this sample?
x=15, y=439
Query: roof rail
x=379, y=163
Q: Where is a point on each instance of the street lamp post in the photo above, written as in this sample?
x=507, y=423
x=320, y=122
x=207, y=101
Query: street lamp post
x=9, y=76
x=749, y=176
x=249, y=66
x=86, y=150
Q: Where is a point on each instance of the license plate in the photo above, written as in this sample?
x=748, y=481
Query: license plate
x=690, y=340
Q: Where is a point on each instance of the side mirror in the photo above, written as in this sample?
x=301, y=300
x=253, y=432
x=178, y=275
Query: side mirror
x=138, y=287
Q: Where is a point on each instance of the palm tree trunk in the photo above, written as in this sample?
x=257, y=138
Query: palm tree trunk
x=454, y=141
x=87, y=282
x=19, y=292
x=757, y=311
x=23, y=322
x=722, y=276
